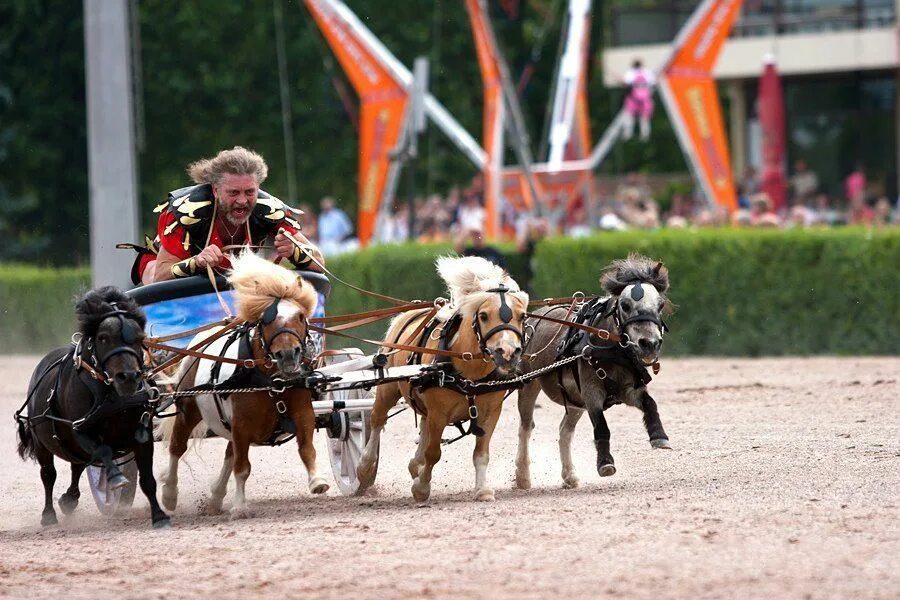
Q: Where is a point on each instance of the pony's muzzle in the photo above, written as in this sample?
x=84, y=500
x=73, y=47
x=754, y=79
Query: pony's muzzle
x=506, y=357
x=126, y=382
x=289, y=360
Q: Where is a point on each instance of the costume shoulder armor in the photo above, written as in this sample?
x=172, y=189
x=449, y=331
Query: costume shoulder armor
x=272, y=211
x=192, y=204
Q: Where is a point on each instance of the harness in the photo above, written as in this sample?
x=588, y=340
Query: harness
x=91, y=372
x=248, y=375
x=600, y=353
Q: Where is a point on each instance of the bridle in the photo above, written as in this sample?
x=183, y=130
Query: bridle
x=267, y=318
x=506, y=315
x=637, y=292
x=97, y=366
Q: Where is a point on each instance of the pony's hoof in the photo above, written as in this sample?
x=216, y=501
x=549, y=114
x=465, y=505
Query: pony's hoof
x=169, y=497
x=661, y=443
x=485, y=495
x=421, y=491
x=240, y=513
x=210, y=506
x=116, y=481
x=570, y=482
x=67, y=504
x=365, y=473
x=414, y=469
x=318, y=486
x=523, y=482
x=49, y=520
x=607, y=470
x=164, y=523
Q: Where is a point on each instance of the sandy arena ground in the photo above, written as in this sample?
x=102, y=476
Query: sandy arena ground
x=784, y=482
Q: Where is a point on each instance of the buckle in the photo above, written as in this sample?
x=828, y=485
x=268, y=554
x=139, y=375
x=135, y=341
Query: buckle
x=281, y=407
x=152, y=393
x=249, y=363
x=473, y=412
x=279, y=386
x=467, y=356
x=600, y=370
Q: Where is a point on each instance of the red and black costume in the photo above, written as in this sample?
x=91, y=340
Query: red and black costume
x=187, y=226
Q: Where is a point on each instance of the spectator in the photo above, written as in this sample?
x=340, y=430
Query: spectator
x=823, y=213
x=470, y=242
x=530, y=231
x=640, y=211
x=471, y=214
x=855, y=187
x=804, y=184
x=761, y=213
x=335, y=227
x=882, y=211
x=750, y=182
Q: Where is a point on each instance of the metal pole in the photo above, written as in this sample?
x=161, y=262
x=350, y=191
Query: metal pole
x=418, y=91
x=287, y=128
x=110, y=124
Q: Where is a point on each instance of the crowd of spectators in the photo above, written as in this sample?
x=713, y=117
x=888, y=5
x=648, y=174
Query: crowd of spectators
x=459, y=216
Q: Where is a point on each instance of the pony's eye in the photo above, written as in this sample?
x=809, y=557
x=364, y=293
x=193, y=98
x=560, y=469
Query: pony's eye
x=522, y=317
x=627, y=306
x=102, y=338
x=483, y=316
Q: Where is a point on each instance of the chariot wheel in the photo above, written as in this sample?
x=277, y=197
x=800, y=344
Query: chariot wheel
x=348, y=431
x=108, y=501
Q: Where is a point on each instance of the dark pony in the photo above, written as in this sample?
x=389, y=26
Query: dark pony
x=89, y=402
x=607, y=373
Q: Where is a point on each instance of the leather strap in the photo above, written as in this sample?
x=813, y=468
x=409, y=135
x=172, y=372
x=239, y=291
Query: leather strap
x=603, y=334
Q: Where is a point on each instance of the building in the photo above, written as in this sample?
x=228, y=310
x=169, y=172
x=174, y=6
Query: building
x=839, y=65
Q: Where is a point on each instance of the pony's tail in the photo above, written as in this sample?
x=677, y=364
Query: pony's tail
x=26, y=447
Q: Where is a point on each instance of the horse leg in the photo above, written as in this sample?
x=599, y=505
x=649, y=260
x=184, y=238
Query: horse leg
x=69, y=500
x=241, y=472
x=220, y=484
x=594, y=395
x=114, y=476
x=566, y=431
x=305, y=418
x=434, y=426
x=386, y=396
x=481, y=456
x=418, y=459
x=186, y=419
x=48, y=478
x=143, y=455
x=527, y=399
x=658, y=437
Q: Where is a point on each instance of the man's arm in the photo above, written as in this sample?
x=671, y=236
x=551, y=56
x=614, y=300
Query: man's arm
x=301, y=258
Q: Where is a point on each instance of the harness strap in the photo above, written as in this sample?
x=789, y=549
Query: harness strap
x=603, y=334
x=179, y=352
x=405, y=347
x=249, y=362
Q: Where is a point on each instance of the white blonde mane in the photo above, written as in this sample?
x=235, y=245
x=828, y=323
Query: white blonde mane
x=258, y=282
x=468, y=278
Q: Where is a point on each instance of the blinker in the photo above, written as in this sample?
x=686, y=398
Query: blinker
x=129, y=336
x=637, y=292
x=270, y=313
x=506, y=313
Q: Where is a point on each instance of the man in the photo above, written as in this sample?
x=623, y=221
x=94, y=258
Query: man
x=804, y=183
x=200, y=225
x=478, y=247
x=334, y=226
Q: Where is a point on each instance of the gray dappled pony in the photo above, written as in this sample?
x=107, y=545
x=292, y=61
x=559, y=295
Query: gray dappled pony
x=637, y=287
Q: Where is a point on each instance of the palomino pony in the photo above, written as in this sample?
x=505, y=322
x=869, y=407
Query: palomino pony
x=275, y=304
x=609, y=374
x=85, y=404
x=484, y=317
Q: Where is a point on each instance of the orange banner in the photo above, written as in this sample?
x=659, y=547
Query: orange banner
x=383, y=100
x=493, y=115
x=579, y=145
x=693, y=100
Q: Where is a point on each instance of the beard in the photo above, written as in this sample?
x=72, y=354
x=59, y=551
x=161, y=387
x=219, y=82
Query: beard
x=235, y=218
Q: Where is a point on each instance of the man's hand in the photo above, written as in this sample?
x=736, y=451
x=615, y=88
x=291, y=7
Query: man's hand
x=210, y=256
x=283, y=246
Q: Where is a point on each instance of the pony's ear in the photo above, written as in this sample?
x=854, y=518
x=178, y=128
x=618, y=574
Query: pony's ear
x=660, y=278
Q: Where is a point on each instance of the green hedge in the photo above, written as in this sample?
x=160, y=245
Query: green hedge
x=404, y=271
x=755, y=292
x=37, y=308
x=738, y=292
